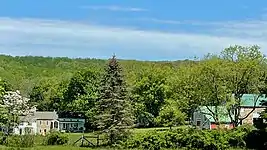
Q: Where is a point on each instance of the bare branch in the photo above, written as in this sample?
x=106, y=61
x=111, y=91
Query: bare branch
x=254, y=107
x=213, y=115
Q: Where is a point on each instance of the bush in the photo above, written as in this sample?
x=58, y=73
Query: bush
x=56, y=138
x=238, y=136
x=170, y=116
x=257, y=139
x=190, y=138
x=19, y=141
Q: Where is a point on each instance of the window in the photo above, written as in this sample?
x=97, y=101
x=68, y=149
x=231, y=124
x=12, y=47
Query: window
x=40, y=122
x=46, y=122
x=56, y=124
x=198, y=123
x=64, y=125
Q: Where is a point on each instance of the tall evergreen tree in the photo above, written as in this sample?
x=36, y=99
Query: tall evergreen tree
x=114, y=116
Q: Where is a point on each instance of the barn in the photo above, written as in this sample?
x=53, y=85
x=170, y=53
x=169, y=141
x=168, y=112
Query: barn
x=203, y=119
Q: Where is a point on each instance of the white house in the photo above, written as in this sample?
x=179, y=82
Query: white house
x=39, y=122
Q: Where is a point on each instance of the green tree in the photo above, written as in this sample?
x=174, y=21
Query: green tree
x=82, y=91
x=213, y=91
x=170, y=116
x=2, y=88
x=47, y=95
x=246, y=75
x=148, y=95
x=185, y=86
x=114, y=115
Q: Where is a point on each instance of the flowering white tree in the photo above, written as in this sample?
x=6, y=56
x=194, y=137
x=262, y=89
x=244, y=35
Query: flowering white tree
x=12, y=106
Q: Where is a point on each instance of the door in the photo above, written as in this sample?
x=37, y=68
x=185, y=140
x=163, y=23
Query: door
x=20, y=131
x=51, y=125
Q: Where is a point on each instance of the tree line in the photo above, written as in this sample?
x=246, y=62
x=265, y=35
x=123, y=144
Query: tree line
x=159, y=93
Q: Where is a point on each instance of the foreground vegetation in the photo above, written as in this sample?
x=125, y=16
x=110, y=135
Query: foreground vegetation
x=161, y=138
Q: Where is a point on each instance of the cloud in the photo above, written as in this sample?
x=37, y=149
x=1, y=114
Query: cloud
x=74, y=39
x=236, y=28
x=115, y=8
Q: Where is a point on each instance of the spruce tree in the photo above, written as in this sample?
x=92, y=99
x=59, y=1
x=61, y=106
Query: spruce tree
x=114, y=116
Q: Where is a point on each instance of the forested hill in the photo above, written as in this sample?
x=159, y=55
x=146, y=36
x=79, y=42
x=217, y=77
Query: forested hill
x=24, y=72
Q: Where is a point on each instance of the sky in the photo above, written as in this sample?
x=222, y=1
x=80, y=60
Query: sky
x=131, y=29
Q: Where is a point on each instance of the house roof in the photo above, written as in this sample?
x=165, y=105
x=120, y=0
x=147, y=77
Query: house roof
x=45, y=115
x=222, y=113
x=28, y=118
x=248, y=100
x=39, y=115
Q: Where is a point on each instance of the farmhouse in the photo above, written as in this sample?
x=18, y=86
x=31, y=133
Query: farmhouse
x=250, y=110
x=41, y=122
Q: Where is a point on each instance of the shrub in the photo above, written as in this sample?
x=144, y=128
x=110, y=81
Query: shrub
x=170, y=116
x=19, y=141
x=190, y=138
x=238, y=136
x=256, y=139
x=2, y=138
x=56, y=138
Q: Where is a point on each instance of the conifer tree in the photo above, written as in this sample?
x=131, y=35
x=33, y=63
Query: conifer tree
x=114, y=116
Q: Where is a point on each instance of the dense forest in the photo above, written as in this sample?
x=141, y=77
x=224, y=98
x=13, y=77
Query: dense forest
x=161, y=93
x=116, y=95
x=24, y=72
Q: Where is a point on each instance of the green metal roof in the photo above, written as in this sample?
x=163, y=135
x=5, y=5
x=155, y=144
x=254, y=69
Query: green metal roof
x=248, y=100
x=222, y=113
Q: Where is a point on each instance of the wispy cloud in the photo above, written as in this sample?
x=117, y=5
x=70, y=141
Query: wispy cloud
x=73, y=39
x=249, y=28
x=115, y=8
x=177, y=22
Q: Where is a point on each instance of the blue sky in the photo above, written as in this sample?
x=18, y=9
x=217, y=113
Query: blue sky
x=132, y=29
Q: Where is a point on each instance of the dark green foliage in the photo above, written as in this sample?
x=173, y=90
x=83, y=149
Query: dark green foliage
x=148, y=95
x=82, y=91
x=113, y=107
x=56, y=138
x=48, y=94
